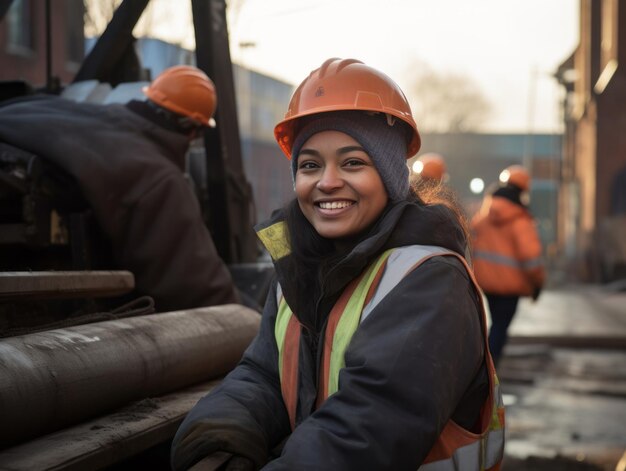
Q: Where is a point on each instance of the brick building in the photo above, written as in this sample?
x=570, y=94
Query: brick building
x=23, y=45
x=592, y=203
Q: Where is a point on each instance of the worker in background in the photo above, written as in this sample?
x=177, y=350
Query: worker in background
x=371, y=353
x=129, y=162
x=430, y=169
x=429, y=175
x=506, y=252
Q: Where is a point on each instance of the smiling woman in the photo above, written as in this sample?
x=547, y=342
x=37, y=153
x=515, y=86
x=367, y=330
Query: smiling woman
x=372, y=351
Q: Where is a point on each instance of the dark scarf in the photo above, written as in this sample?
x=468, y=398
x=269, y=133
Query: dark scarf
x=143, y=109
x=403, y=223
x=511, y=193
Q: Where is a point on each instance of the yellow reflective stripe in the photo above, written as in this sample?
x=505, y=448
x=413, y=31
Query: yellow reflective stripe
x=349, y=322
x=495, y=420
x=495, y=423
x=280, y=330
x=275, y=240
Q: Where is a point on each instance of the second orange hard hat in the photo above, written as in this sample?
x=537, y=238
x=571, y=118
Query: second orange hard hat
x=185, y=90
x=433, y=167
x=516, y=175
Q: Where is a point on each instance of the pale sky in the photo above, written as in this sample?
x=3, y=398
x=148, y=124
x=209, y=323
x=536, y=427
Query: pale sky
x=510, y=48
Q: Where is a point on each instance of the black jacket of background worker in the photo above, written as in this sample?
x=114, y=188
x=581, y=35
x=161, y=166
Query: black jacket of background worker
x=129, y=161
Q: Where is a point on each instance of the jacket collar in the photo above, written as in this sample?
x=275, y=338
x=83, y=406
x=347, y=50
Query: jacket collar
x=402, y=223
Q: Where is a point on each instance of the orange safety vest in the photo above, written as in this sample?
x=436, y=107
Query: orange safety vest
x=456, y=449
x=506, y=249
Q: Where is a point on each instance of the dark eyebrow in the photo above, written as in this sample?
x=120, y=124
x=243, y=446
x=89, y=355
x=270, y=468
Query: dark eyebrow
x=345, y=150
x=309, y=152
x=342, y=150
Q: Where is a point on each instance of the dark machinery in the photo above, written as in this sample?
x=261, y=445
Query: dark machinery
x=227, y=202
x=88, y=381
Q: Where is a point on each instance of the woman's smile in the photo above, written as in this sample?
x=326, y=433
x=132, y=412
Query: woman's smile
x=331, y=208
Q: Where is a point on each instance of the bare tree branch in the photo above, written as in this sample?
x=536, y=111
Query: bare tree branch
x=446, y=102
x=98, y=13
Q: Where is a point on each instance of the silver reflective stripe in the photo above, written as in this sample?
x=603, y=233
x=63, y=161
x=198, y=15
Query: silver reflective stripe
x=399, y=263
x=500, y=259
x=445, y=465
x=496, y=258
x=533, y=263
x=466, y=458
x=279, y=294
x=495, y=447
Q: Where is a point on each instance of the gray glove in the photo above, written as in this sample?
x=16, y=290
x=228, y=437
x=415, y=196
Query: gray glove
x=206, y=437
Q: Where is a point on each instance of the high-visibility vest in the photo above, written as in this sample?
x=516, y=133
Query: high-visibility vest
x=456, y=449
x=507, y=255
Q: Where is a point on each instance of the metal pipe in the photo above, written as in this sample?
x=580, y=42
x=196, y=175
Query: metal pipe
x=49, y=380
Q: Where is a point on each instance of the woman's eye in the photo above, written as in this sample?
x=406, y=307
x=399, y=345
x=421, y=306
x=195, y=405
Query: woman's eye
x=307, y=165
x=353, y=163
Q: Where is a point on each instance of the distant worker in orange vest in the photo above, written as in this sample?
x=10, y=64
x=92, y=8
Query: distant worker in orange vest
x=506, y=252
x=430, y=169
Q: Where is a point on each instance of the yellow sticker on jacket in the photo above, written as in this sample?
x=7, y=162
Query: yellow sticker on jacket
x=275, y=240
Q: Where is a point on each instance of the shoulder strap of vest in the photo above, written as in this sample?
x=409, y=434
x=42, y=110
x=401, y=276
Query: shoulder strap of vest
x=403, y=260
x=341, y=327
x=353, y=306
x=287, y=330
x=287, y=333
x=458, y=449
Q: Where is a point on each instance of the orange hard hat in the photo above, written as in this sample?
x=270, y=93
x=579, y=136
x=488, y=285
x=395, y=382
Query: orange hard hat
x=516, y=175
x=433, y=167
x=185, y=90
x=345, y=84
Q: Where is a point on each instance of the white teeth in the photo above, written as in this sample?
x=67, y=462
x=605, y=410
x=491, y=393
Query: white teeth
x=335, y=204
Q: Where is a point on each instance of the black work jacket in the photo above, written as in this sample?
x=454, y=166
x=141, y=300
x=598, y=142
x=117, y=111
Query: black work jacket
x=130, y=171
x=415, y=362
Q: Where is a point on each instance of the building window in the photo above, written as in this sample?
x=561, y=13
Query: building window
x=20, y=26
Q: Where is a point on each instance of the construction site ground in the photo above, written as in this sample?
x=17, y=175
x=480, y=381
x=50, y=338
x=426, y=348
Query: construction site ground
x=563, y=377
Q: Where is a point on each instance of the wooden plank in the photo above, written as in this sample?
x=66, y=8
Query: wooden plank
x=107, y=440
x=64, y=284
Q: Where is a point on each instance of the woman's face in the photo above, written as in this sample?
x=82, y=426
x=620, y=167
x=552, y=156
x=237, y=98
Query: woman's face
x=338, y=188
